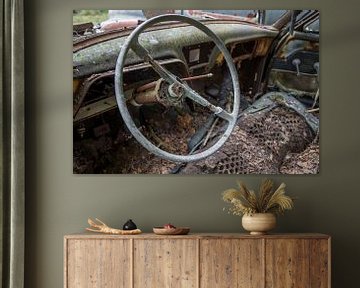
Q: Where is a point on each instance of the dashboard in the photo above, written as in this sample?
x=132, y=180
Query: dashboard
x=184, y=42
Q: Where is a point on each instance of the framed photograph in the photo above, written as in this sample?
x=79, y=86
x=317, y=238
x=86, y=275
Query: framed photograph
x=196, y=91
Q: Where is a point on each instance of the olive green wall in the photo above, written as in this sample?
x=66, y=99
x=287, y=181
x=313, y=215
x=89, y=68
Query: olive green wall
x=59, y=202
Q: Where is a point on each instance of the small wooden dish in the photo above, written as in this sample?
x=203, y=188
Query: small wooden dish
x=171, y=231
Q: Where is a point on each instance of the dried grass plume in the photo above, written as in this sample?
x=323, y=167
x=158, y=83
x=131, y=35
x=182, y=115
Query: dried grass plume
x=267, y=200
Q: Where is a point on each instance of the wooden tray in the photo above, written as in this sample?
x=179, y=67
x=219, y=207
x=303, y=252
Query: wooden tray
x=171, y=231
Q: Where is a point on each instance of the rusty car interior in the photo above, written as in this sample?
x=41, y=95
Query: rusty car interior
x=276, y=118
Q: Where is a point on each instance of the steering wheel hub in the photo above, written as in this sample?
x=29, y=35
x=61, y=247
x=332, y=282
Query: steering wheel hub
x=176, y=92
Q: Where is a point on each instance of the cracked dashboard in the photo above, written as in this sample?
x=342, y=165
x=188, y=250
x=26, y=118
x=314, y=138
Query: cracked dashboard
x=99, y=53
x=182, y=49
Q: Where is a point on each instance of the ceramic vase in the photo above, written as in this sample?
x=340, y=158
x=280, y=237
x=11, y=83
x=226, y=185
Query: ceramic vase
x=259, y=223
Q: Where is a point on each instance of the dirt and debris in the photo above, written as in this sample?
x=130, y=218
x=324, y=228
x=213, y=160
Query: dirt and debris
x=278, y=141
x=166, y=128
x=306, y=162
x=259, y=144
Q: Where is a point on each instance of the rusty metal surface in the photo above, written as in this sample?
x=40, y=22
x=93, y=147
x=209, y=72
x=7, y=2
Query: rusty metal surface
x=262, y=47
x=149, y=95
x=274, y=99
x=91, y=59
x=95, y=108
x=79, y=29
x=82, y=88
x=287, y=81
x=94, y=39
x=152, y=84
x=282, y=21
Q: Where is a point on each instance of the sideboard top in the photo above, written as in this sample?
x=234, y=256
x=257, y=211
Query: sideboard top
x=86, y=235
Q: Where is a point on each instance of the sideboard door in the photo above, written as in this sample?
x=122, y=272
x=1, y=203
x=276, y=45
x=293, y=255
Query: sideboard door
x=99, y=263
x=320, y=263
x=297, y=263
x=287, y=263
x=170, y=263
x=231, y=263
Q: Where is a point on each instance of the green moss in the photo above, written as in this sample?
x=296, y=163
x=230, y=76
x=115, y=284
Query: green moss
x=85, y=16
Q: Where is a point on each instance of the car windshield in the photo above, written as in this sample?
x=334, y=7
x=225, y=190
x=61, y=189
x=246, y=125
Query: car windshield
x=267, y=17
x=130, y=17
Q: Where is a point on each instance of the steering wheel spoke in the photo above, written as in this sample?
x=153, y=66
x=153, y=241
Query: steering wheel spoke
x=225, y=115
x=144, y=54
x=196, y=97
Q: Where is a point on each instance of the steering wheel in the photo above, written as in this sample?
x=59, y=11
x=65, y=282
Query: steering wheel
x=175, y=84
